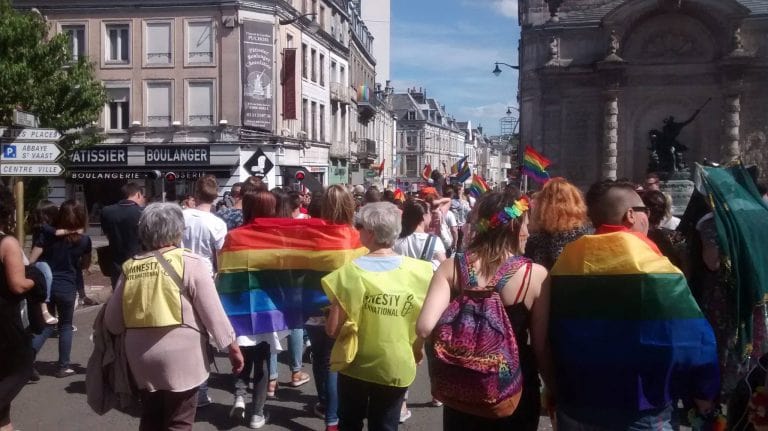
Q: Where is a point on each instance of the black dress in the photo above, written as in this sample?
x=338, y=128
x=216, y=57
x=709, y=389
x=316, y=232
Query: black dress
x=15, y=344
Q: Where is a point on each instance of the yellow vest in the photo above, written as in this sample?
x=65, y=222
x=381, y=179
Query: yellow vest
x=151, y=299
x=384, y=307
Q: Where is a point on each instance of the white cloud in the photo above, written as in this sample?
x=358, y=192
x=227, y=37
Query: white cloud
x=506, y=7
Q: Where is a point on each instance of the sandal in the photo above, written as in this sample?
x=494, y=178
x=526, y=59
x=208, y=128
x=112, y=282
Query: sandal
x=299, y=378
x=271, y=388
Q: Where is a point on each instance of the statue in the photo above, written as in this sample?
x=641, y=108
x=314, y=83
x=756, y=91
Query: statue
x=554, y=49
x=613, y=43
x=666, y=153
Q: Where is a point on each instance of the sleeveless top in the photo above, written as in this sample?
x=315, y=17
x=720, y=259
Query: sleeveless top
x=12, y=333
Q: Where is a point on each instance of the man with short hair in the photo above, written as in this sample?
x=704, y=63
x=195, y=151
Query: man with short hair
x=204, y=232
x=120, y=223
x=628, y=339
x=652, y=182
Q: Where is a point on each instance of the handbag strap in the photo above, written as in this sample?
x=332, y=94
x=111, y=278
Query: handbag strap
x=171, y=271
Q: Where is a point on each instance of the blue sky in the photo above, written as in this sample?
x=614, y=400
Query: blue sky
x=449, y=47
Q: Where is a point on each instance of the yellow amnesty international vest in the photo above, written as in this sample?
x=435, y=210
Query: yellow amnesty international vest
x=384, y=306
x=151, y=299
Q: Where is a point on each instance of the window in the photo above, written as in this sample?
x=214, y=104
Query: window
x=76, y=34
x=304, y=6
x=342, y=77
x=158, y=42
x=289, y=41
x=199, y=42
x=313, y=60
x=117, y=111
x=322, y=123
x=410, y=165
x=200, y=103
x=119, y=42
x=304, y=60
x=322, y=69
x=304, y=115
x=333, y=76
x=411, y=115
x=158, y=104
x=314, y=121
x=322, y=17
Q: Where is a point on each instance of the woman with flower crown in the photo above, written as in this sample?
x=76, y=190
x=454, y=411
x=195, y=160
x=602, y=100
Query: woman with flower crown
x=499, y=220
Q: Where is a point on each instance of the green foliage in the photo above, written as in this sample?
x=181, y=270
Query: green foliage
x=38, y=75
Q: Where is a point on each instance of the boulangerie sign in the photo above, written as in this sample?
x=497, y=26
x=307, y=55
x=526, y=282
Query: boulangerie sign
x=258, y=87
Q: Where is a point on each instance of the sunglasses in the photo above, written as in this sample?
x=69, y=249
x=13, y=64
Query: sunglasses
x=645, y=210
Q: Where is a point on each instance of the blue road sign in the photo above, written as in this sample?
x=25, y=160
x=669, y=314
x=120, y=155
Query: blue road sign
x=9, y=151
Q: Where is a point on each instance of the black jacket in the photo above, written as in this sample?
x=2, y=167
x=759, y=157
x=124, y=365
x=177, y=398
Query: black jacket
x=120, y=223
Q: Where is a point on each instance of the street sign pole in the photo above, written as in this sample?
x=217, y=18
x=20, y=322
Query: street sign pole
x=19, y=194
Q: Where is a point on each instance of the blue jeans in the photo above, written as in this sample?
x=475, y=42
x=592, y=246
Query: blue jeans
x=295, y=349
x=326, y=381
x=64, y=304
x=48, y=275
x=359, y=400
x=653, y=420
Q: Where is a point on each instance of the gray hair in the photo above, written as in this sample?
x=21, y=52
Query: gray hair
x=161, y=224
x=384, y=220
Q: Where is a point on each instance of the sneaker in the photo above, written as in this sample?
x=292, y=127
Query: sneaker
x=257, y=421
x=203, y=400
x=35, y=377
x=436, y=403
x=299, y=378
x=271, y=388
x=319, y=410
x=334, y=427
x=65, y=372
x=74, y=328
x=238, y=408
x=405, y=415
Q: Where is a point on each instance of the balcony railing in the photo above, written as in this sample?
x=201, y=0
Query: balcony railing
x=367, y=148
x=340, y=92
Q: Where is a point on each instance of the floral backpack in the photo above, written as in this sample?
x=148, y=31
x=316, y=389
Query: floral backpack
x=474, y=362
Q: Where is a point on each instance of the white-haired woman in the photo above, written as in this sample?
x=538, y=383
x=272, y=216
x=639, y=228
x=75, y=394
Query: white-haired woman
x=376, y=299
x=167, y=309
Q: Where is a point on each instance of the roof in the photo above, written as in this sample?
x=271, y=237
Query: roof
x=572, y=13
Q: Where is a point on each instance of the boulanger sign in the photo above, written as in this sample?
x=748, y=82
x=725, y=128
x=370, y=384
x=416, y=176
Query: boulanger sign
x=164, y=155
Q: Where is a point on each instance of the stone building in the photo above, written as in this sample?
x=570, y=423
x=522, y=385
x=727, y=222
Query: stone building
x=597, y=76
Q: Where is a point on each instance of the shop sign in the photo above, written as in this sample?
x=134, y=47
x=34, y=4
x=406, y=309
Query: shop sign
x=99, y=156
x=177, y=155
x=107, y=175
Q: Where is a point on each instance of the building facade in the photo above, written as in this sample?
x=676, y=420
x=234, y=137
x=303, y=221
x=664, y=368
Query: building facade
x=207, y=86
x=598, y=77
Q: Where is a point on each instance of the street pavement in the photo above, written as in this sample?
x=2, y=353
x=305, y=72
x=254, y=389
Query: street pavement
x=60, y=403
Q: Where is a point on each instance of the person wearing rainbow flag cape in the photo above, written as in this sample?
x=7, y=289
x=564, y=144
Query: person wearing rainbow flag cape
x=627, y=337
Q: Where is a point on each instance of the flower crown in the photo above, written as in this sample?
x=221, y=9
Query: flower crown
x=504, y=216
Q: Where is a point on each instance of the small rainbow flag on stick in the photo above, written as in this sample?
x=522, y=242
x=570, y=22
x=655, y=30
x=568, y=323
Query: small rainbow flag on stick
x=535, y=165
x=479, y=186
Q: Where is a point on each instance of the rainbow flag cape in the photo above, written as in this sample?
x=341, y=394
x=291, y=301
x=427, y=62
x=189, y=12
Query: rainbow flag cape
x=478, y=186
x=270, y=271
x=535, y=165
x=626, y=333
x=427, y=172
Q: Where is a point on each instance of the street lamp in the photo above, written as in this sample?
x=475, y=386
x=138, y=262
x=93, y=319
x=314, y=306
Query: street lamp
x=313, y=25
x=497, y=71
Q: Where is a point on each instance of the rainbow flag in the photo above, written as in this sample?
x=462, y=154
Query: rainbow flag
x=461, y=170
x=270, y=271
x=399, y=195
x=535, y=165
x=363, y=93
x=427, y=172
x=478, y=186
x=626, y=333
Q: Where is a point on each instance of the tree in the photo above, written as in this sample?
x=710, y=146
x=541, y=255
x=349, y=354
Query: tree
x=38, y=75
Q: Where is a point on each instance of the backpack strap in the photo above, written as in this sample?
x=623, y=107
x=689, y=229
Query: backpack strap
x=429, y=248
x=506, y=271
x=467, y=278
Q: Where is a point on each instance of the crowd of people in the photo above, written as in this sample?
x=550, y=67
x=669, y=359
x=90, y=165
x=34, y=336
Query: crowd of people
x=597, y=309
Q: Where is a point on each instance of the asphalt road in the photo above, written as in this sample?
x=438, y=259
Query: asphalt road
x=60, y=403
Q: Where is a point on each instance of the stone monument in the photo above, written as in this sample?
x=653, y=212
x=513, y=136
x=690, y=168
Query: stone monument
x=667, y=160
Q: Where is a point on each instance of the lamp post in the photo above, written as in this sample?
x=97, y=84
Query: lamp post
x=497, y=71
x=313, y=25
